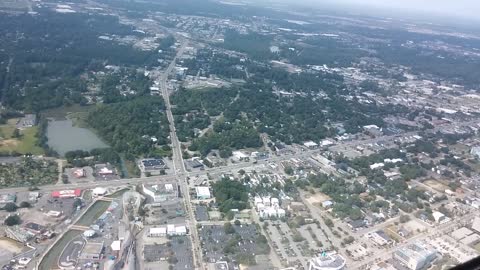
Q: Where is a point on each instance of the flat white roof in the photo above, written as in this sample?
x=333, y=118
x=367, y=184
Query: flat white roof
x=202, y=191
x=116, y=245
x=160, y=230
x=181, y=229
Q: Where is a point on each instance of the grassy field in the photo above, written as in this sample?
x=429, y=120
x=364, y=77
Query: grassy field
x=25, y=144
x=93, y=213
x=62, y=113
x=50, y=261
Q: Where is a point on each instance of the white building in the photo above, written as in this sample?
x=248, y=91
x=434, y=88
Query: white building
x=415, y=256
x=439, y=217
x=169, y=230
x=327, y=261
x=203, y=193
x=310, y=145
x=161, y=192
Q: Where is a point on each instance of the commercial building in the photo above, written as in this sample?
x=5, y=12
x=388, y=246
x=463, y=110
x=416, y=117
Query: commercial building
x=18, y=234
x=169, y=230
x=92, y=251
x=327, y=261
x=161, y=192
x=152, y=165
x=203, y=193
x=415, y=256
x=72, y=193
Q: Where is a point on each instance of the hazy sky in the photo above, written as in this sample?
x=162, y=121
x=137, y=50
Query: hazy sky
x=466, y=9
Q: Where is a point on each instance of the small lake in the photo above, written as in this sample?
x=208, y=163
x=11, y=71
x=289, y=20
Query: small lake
x=63, y=137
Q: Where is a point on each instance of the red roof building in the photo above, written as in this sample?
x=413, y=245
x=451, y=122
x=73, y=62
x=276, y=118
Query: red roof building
x=67, y=193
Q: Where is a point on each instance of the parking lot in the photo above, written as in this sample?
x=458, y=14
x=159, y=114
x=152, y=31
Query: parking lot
x=179, y=248
x=214, y=240
x=201, y=213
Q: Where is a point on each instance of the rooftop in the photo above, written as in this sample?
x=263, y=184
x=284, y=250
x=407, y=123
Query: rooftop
x=330, y=260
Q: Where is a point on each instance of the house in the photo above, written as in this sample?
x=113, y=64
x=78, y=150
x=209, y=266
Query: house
x=380, y=238
x=311, y=145
x=356, y=224
x=327, y=204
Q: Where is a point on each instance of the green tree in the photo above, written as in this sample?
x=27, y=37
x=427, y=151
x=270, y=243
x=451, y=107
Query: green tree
x=10, y=207
x=25, y=204
x=228, y=227
x=12, y=220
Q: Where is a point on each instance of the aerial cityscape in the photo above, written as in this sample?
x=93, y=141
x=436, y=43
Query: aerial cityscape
x=236, y=134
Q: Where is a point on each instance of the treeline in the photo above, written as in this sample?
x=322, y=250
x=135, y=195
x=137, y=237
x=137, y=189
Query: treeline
x=134, y=127
x=78, y=158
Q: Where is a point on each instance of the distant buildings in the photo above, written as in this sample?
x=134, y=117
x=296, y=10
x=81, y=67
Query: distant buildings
x=29, y=120
x=161, y=192
x=18, y=234
x=373, y=130
x=327, y=261
x=415, y=256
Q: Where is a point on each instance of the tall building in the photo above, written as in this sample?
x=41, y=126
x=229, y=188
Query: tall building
x=415, y=256
x=327, y=261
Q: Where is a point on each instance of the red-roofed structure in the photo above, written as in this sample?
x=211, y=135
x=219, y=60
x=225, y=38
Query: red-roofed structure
x=71, y=193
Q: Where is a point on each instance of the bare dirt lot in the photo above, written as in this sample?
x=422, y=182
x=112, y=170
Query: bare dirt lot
x=317, y=198
x=8, y=249
x=435, y=184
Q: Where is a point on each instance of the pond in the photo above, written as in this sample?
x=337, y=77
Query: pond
x=63, y=136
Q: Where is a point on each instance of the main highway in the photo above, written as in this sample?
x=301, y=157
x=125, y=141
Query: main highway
x=178, y=163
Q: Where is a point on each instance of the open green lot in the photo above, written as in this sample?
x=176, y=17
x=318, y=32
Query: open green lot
x=24, y=144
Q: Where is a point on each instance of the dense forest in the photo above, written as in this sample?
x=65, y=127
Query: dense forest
x=46, y=60
x=134, y=127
